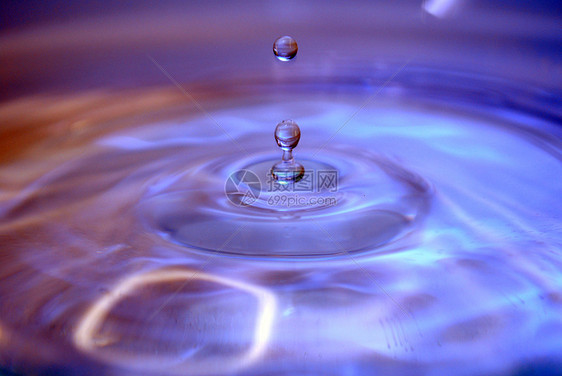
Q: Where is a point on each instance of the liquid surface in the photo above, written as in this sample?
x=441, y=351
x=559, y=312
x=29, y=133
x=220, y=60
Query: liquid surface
x=124, y=251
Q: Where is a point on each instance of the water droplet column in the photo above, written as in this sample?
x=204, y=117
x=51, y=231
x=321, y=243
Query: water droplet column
x=287, y=135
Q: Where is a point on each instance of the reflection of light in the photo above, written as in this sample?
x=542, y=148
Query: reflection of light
x=84, y=336
x=1, y=335
x=440, y=8
x=6, y=338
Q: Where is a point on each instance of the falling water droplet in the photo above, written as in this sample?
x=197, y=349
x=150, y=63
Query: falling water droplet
x=287, y=135
x=285, y=48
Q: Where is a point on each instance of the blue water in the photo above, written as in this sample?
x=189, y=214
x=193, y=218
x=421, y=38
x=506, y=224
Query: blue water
x=442, y=244
x=423, y=239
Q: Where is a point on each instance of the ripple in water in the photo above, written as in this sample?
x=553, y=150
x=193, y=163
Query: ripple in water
x=439, y=243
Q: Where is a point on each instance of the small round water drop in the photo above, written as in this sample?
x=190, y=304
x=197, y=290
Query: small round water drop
x=287, y=135
x=285, y=48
